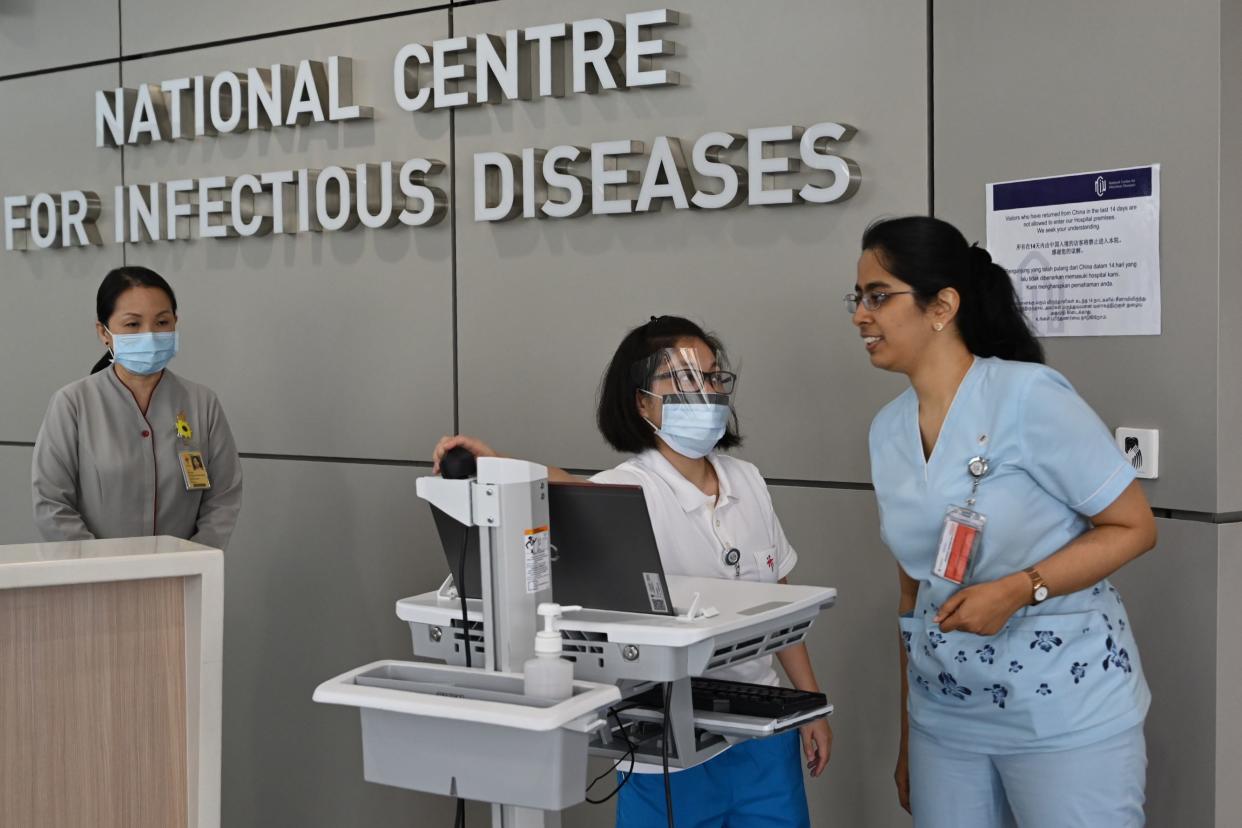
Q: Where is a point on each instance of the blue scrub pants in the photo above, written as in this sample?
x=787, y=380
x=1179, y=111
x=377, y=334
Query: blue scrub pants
x=755, y=783
x=1088, y=787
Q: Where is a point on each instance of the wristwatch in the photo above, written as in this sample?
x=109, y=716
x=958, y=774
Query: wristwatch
x=1039, y=589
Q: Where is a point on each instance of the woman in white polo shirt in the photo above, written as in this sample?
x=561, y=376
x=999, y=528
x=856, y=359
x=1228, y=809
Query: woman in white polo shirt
x=666, y=398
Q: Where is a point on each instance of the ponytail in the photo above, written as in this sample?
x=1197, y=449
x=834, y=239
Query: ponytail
x=994, y=324
x=104, y=362
x=930, y=255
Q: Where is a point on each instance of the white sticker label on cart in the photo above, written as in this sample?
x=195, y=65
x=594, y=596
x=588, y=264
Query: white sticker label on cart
x=655, y=592
x=538, y=559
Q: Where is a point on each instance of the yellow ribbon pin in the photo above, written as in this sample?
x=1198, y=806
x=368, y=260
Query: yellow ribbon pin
x=183, y=427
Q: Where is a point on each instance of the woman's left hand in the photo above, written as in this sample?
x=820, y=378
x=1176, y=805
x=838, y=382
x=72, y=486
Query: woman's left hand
x=984, y=608
x=817, y=745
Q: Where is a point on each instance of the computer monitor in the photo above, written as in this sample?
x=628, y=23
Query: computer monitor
x=604, y=553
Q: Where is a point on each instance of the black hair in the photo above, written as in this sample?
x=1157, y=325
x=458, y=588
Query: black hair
x=616, y=413
x=113, y=285
x=930, y=255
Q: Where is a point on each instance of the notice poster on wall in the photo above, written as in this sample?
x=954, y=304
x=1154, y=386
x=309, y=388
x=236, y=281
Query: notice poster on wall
x=1083, y=250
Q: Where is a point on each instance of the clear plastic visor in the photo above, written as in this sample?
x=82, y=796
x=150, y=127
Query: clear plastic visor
x=678, y=375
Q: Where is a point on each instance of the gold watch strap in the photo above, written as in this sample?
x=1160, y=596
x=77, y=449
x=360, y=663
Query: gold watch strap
x=1037, y=580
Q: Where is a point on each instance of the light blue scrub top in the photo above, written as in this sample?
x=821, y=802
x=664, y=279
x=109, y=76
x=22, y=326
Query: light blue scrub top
x=1059, y=675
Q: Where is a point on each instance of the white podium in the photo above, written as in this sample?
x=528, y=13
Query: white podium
x=110, y=684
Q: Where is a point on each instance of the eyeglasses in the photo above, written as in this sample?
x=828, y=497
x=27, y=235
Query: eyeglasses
x=871, y=300
x=689, y=380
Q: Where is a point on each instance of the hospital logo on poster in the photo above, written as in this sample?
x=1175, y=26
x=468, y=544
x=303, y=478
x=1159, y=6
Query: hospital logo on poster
x=1101, y=186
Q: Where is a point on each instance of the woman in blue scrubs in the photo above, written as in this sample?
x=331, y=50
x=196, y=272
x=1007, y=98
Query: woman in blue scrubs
x=1023, y=696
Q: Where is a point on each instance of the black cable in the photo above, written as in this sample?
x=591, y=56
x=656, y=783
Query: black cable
x=461, y=593
x=629, y=753
x=465, y=637
x=668, y=784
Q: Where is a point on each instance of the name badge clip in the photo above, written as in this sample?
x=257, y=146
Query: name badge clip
x=962, y=531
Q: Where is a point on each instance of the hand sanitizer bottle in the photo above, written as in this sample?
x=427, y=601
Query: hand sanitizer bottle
x=547, y=675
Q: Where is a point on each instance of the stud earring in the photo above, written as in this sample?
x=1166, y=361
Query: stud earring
x=939, y=326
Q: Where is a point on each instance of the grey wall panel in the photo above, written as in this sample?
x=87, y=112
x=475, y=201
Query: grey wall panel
x=1170, y=596
x=854, y=649
x=16, y=519
x=47, y=304
x=543, y=304
x=146, y=23
x=1033, y=89
x=327, y=344
x=1229, y=357
x=42, y=34
x=1229, y=678
x=322, y=553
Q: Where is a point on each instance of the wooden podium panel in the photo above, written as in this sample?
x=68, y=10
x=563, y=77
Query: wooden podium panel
x=93, y=713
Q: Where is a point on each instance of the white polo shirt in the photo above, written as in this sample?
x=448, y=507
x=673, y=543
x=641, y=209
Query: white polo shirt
x=694, y=531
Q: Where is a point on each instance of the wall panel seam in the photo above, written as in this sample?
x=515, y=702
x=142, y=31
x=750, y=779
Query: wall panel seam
x=351, y=461
x=1181, y=515
x=453, y=253
x=120, y=82
x=314, y=27
x=1220, y=231
x=69, y=67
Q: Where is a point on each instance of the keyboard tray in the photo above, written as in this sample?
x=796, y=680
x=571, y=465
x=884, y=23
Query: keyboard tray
x=731, y=724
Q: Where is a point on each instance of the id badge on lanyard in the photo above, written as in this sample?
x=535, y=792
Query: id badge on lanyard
x=963, y=529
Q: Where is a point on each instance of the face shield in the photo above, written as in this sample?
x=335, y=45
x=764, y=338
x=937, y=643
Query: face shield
x=695, y=399
x=675, y=375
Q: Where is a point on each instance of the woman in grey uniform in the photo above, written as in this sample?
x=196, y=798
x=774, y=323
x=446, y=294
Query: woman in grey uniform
x=134, y=449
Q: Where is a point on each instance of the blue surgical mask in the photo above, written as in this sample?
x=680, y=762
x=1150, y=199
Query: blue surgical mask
x=692, y=429
x=144, y=353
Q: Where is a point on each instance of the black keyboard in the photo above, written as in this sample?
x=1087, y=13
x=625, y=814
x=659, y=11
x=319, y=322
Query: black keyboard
x=719, y=696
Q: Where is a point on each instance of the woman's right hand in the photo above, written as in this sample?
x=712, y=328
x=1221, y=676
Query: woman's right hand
x=902, y=775
x=472, y=444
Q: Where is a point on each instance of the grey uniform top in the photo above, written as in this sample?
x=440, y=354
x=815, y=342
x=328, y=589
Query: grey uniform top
x=104, y=470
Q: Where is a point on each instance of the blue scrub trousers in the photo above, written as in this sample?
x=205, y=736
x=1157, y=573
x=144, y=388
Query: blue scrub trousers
x=1094, y=786
x=754, y=783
